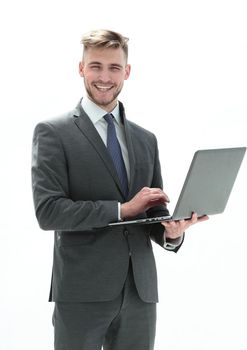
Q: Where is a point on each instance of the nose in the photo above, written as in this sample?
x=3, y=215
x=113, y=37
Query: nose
x=104, y=76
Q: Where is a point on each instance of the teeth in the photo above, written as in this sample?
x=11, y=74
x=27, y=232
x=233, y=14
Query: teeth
x=105, y=88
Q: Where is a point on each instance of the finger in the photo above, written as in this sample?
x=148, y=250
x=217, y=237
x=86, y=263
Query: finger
x=160, y=192
x=145, y=189
x=194, y=218
x=156, y=202
x=170, y=224
x=203, y=218
x=156, y=195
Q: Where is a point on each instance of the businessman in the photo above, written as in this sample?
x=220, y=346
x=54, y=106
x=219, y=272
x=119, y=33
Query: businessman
x=90, y=167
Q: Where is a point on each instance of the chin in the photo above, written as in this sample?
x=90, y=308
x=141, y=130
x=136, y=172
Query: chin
x=104, y=102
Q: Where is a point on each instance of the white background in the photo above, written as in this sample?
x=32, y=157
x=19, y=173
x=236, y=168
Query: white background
x=189, y=86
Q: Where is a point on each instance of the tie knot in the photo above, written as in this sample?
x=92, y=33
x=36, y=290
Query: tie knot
x=109, y=118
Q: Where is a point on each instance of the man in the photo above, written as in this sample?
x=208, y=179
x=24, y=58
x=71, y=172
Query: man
x=91, y=167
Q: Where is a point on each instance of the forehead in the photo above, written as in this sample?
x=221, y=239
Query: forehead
x=104, y=55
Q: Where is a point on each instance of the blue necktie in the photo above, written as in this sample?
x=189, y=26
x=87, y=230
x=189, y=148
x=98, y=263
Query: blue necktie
x=114, y=149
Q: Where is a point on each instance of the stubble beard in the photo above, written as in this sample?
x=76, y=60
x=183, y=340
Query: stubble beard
x=102, y=102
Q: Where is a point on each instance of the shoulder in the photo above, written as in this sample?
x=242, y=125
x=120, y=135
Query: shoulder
x=139, y=129
x=141, y=134
x=59, y=121
x=136, y=129
x=59, y=125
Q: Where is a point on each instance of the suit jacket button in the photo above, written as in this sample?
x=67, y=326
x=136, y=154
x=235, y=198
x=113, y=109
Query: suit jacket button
x=126, y=233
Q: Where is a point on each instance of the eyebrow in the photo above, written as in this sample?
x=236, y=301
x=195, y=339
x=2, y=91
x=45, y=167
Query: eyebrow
x=94, y=62
x=111, y=64
x=116, y=65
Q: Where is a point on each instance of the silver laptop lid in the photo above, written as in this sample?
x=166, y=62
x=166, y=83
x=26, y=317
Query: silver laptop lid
x=209, y=182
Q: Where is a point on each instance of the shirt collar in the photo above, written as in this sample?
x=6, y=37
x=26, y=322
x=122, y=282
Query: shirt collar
x=96, y=113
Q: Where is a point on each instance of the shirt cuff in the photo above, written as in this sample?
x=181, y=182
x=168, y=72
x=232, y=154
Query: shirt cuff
x=171, y=244
x=119, y=212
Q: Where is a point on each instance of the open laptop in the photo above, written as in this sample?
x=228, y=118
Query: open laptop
x=207, y=186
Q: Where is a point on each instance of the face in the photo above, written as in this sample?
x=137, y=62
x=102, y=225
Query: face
x=104, y=71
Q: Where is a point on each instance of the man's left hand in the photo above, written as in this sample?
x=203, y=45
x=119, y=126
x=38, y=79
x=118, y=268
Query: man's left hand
x=175, y=229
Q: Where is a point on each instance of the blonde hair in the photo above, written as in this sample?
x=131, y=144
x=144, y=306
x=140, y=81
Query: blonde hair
x=103, y=38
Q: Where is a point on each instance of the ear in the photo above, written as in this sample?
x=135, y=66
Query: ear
x=127, y=71
x=81, y=69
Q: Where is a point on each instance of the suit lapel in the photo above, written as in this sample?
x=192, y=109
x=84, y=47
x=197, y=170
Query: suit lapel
x=130, y=148
x=85, y=125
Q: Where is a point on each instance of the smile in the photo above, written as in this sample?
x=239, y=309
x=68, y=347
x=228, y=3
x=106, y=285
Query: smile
x=103, y=88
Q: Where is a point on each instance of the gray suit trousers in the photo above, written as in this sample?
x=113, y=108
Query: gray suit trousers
x=125, y=323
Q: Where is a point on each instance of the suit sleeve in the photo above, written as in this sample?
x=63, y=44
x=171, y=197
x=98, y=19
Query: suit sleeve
x=157, y=230
x=54, y=208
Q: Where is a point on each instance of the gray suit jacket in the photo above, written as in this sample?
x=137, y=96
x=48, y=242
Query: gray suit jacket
x=76, y=193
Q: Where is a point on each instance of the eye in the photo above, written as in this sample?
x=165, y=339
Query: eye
x=95, y=67
x=115, y=68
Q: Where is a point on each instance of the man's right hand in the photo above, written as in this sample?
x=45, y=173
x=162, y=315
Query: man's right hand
x=145, y=199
